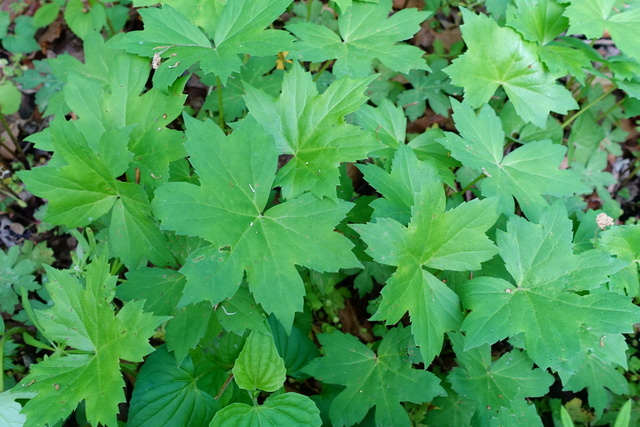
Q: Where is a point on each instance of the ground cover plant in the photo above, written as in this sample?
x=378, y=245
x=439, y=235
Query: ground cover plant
x=277, y=212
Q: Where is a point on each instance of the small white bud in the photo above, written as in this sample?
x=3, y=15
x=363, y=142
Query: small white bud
x=603, y=220
x=156, y=61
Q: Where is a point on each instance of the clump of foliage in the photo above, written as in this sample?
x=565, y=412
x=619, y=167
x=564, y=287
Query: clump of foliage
x=235, y=235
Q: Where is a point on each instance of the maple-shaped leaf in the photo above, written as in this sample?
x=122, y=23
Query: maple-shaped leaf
x=624, y=243
x=381, y=380
x=399, y=187
x=545, y=299
x=83, y=318
x=311, y=127
x=527, y=173
x=439, y=240
x=240, y=30
x=593, y=17
x=537, y=21
x=495, y=384
x=367, y=32
x=430, y=87
x=228, y=209
x=86, y=188
x=510, y=62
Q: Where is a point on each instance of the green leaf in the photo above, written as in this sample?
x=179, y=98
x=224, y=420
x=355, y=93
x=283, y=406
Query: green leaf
x=22, y=39
x=367, y=33
x=311, y=127
x=84, y=319
x=382, y=380
x=282, y=410
x=186, y=329
x=538, y=21
x=624, y=416
x=511, y=63
x=227, y=210
x=527, y=173
x=400, y=187
x=545, y=299
x=430, y=87
x=597, y=376
x=170, y=394
x=623, y=242
x=16, y=274
x=46, y=14
x=86, y=189
x=83, y=19
x=239, y=31
x=296, y=348
x=593, y=17
x=159, y=288
x=453, y=240
x=495, y=384
x=241, y=313
x=259, y=366
x=10, y=97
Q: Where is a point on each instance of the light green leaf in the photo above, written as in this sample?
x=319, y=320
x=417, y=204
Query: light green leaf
x=84, y=318
x=10, y=415
x=367, y=33
x=509, y=62
x=624, y=243
x=240, y=30
x=541, y=301
x=436, y=239
x=311, y=127
x=83, y=19
x=538, y=21
x=624, y=416
x=287, y=409
x=170, y=394
x=259, y=366
x=22, y=40
x=227, y=209
x=527, y=173
x=593, y=17
x=10, y=97
x=241, y=313
x=381, y=380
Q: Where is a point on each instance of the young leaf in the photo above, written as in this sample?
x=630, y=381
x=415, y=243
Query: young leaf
x=170, y=394
x=287, y=409
x=436, y=239
x=527, y=173
x=259, y=366
x=382, y=380
x=84, y=319
x=311, y=127
x=509, y=62
x=228, y=210
x=538, y=21
x=15, y=275
x=495, y=384
x=366, y=33
x=540, y=302
x=239, y=31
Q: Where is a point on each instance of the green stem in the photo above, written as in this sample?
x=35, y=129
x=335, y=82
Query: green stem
x=321, y=70
x=606, y=113
x=220, y=102
x=587, y=107
x=309, y=9
x=17, y=152
x=472, y=183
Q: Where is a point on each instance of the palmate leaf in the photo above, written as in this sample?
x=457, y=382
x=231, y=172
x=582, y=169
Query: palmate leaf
x=544, y=301
x=84, y=319
x=495, y=384
x=538, y=21
x=366, y=33
x=240, y=30
x=593, y=17
x=381, y=380
x=86, y=188
x=311, y=127
x=236, y=174
x=527, y=173
x=510, y=62
x=439, y=240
